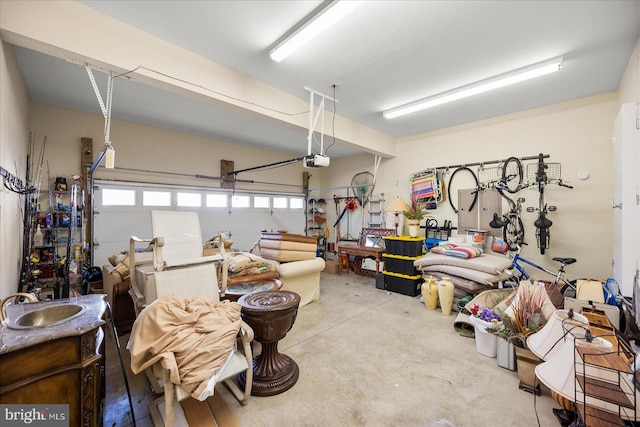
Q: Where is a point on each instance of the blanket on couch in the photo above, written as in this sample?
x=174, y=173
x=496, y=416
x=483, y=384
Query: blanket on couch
x=191, y=337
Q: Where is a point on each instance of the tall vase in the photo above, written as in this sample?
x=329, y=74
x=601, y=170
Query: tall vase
x=526, y=362
x=414, y=227
x=430, y=293
x=445, y=295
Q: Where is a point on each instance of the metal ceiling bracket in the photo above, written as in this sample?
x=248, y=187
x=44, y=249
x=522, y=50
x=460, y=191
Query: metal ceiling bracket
x=106, y=112
x=313, y=119
x=106, y=109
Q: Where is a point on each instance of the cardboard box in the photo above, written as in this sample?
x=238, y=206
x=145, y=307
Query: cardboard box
x=331, y=267
x=611, y=311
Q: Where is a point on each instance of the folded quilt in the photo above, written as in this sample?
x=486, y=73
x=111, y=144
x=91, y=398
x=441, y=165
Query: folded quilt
x=487, y=263
x=288, y=246
x=467, y=273
x=465, y=285
x=288, y=237
x=287, y=256
x=238, y=261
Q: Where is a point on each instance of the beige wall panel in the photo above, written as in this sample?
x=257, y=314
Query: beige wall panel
x=14, y=136
x=576, y=134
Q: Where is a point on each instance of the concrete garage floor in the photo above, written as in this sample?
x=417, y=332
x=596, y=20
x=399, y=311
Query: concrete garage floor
x=368, y=357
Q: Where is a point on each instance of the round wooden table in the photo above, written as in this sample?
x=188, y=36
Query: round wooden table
x=237, y=290
x=271, y=315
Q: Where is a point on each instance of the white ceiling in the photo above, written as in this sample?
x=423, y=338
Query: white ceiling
x=383, y=54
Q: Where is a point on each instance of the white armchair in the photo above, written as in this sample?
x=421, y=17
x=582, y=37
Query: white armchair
x=196, y=281
x=176, y=243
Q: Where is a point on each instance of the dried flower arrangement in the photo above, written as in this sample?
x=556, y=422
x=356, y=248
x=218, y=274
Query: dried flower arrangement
x=524, y=315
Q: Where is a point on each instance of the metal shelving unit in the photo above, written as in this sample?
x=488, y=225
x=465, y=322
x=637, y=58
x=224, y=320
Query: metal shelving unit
x=605, y=393
x=55, y=266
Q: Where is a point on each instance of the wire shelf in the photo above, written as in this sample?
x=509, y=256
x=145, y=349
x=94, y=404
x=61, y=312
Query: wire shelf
x=553, y=171
x=489, y=175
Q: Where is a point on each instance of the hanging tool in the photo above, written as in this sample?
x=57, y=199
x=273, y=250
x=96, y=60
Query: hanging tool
x=350, y=206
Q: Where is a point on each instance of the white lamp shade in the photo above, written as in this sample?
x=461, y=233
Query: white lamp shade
x=397, y=205
x=559, y=373
x=546, y=342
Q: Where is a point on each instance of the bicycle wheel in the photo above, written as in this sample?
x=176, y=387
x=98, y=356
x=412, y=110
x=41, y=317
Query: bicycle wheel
x=543, y=239
x=568, y=289
x=475, y=194
x=512, y=174
x=513, y=233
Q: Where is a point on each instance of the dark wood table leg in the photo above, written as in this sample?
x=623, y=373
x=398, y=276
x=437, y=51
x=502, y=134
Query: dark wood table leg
x=271, y=315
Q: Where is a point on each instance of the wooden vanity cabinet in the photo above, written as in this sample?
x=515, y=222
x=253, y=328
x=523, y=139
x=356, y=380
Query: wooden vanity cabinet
x=64, y=370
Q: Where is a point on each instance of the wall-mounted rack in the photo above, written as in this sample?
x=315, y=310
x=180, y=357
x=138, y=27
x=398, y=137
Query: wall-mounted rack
x=488, y=162
x=13, y=183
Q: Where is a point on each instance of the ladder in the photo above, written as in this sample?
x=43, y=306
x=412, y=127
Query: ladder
x=375, y=211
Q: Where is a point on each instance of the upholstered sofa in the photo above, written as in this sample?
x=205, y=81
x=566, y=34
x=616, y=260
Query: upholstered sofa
x=303, y=278
x=116, y=284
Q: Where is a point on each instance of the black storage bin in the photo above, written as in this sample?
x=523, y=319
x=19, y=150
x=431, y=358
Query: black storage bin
x=403, y=284
x=401, y=264
x=404, y=245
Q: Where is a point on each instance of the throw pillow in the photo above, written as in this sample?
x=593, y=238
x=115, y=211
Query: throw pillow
x=442, y=248
x=462, y=252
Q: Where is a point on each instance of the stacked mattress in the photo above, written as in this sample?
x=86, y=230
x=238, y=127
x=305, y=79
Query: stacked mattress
x=285, y=247
x=470, y=276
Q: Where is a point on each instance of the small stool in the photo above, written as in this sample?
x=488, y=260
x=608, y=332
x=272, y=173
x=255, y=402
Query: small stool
x=271, y=315
x=235, y=291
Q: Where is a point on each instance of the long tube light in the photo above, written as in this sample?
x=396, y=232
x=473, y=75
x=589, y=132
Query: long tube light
x=492, y=83
x=327, y=16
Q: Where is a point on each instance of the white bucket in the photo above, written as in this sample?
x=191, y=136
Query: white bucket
x=486, y=343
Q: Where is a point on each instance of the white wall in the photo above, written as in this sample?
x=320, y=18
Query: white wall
x=148, y=148
x=630, y=86
x=14, y=134
x=576, y=134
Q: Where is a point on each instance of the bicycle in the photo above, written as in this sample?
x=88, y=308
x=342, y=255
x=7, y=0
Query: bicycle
x=545, y=173
x=510, y=222
x=567, y=287
x=512, y=173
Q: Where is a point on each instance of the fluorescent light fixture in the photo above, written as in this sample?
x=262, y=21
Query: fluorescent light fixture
x=109, y=157
x=326, y=16
x=492, y=83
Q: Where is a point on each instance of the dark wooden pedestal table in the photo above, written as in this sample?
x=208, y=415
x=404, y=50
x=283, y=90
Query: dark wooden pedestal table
x=271, y=315
x=237, y=290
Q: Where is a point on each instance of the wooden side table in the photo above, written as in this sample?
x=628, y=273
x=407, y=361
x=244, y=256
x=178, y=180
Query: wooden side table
x=364, y=252
x=237, y=290
x=271, y=314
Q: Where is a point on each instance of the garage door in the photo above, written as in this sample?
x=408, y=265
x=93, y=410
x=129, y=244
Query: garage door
x=122, y=210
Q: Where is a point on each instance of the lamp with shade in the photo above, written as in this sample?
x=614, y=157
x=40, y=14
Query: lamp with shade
x=562, y=325
x=558, y=343
x=559, y=374
x=397, y=206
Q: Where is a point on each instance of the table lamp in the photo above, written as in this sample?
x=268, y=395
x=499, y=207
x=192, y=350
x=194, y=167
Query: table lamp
x=559, y=372
x=562, y=325
x=397, y=206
